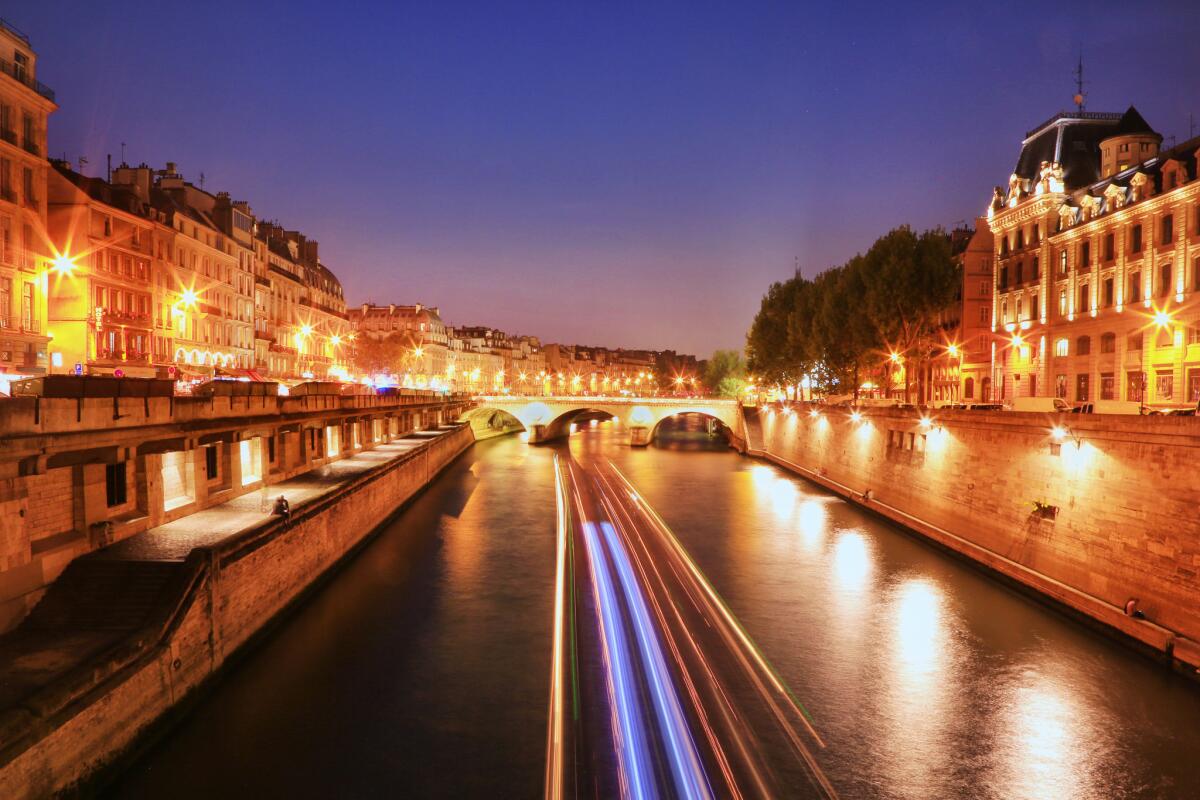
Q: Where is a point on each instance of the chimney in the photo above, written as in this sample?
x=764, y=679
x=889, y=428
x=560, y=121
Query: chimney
x=138, y=179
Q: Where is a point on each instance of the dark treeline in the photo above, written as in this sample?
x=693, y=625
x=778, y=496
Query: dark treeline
x=844, y=323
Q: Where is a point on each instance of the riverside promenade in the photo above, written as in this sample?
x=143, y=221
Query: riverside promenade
x=127, y=631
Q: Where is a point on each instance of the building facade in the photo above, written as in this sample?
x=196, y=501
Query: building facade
x=1097, y=265
x=25, y=256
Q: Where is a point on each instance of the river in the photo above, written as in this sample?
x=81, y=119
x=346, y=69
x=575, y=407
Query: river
x=421, y=669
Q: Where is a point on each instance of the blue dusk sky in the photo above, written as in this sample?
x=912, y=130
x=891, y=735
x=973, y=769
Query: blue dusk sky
x=623, y=174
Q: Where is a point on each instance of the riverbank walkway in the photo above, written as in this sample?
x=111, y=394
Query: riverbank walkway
x=104, y=597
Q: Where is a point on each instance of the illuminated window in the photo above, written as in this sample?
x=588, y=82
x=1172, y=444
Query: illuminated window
x=1108, y=292
x=1108, y=386
x=1135, y=287
x=1164, y=385
x=1062, y=260
x=1084, y=303
x=1082, y=386
x=1062, y=302
x=1060, y=347
x=1135, y=382
x=1060, y=385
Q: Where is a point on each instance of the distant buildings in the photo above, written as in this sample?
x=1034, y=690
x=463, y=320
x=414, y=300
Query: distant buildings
x=1097, y=265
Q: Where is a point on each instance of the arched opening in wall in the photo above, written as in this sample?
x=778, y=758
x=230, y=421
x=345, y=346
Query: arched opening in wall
x=575, y=420
x=691, y=430
x=487, y=423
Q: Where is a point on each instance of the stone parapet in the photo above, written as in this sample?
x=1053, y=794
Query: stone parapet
x=1089, y=511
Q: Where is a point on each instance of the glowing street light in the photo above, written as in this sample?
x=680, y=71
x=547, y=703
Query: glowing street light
x=1058, y=433
x=952, y=350
x=63, y=264
x=1162, y=319
x=187, y=298
x=895, y=358
x=856, y=416
x=335, y=340
x=1017, y=340
x=306, y=330
x=418, y=352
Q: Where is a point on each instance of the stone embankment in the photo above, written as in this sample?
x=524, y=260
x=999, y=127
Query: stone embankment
x=1088, y=511
x=129, y=631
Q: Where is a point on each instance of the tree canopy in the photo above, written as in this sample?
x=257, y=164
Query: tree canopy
x=852, y=317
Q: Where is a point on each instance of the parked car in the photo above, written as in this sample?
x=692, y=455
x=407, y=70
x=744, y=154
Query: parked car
x=1042, y=404
x=1188, y=411
x=1110, y=407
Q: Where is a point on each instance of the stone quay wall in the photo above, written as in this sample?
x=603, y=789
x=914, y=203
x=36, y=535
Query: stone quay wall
x=226, y=595
x=1087, y=510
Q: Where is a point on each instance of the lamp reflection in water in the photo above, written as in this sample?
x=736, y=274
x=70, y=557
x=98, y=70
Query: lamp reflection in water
x=919, y=688
x=851, y=561
x=1043, y=754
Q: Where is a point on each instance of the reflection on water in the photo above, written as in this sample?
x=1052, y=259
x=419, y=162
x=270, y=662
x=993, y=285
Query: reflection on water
x=422, y=669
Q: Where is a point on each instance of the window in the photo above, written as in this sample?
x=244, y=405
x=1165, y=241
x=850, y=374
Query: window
x=1135, y=382
x=1060, y=385
x=969, y=388
x=984, y=315
x=1135, y=287
x=1135, y=341
x=210, y=462
x=1108, y=247
x=1004, y=312
x=1034, y=307
x=1020, y=273
x=1108, y=343
x=1164, y=279
x=1037, y=233
x=1020, y=238
x=1193, y=385
x=1060, y=347
x=1084, y=299
x=1004, y=277
x=1193, y=334
x=114, y=484
x=1135, y=239
x=1062, y=261
x=1108, y=386
x=1168, y=229
x=1033, y=270
x=1108, y=292
x=1196, y=275
x=1164, y=385
x=1081, y=387
x=1083, y=345
x=1062, y=302
x=1018, y=309
x=985, y=287
x=1085, y=256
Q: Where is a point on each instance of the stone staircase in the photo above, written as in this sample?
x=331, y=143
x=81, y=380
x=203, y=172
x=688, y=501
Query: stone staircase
x=99, y=594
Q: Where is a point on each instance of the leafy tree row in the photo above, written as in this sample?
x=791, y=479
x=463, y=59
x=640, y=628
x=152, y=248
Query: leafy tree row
x=845, y=322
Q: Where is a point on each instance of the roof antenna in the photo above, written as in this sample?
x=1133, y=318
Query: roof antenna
x=1191, y=126
x=1080, y=95
x=201, y=181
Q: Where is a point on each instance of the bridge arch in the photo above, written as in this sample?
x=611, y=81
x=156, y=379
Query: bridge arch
x=700, y=412
x=561, y=425
x=487, y=422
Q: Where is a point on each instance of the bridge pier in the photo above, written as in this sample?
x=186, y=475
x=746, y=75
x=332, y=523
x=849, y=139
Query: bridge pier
x=639, y=436
x=537, y=434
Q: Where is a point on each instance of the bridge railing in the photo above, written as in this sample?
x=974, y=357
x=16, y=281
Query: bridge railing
x=597, y=398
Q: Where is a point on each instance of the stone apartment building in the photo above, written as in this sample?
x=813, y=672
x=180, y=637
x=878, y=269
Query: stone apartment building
x=25, y=107
x=161, y=278
x=1097, y=264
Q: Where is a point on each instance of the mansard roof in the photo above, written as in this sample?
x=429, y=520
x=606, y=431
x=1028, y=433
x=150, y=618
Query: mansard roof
x=1073, y=140
x=1132, y=123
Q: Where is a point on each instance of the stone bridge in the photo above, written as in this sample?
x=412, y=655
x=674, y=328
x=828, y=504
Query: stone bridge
x=547, y=418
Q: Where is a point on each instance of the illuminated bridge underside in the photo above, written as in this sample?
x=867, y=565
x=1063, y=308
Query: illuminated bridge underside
x=548, y=418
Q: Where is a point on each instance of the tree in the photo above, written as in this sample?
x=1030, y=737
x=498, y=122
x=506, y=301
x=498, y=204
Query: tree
x=388, y=355
x=725, y=373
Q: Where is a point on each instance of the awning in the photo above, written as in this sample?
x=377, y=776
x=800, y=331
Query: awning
x=242, y=373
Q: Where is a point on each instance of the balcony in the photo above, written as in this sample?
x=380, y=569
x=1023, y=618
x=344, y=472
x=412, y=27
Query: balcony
x=31, y=147
x=8, y=195
x=19, y=324
x=10, y=137
x=20, y=75
x=115, y=317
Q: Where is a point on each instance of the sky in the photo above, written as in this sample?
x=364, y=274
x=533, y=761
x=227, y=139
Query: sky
x=630, y=175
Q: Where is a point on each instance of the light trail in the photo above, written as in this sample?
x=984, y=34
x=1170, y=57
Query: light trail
x=690, y=780
x=688, y=693
x=556, y=735
x=636, y=766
